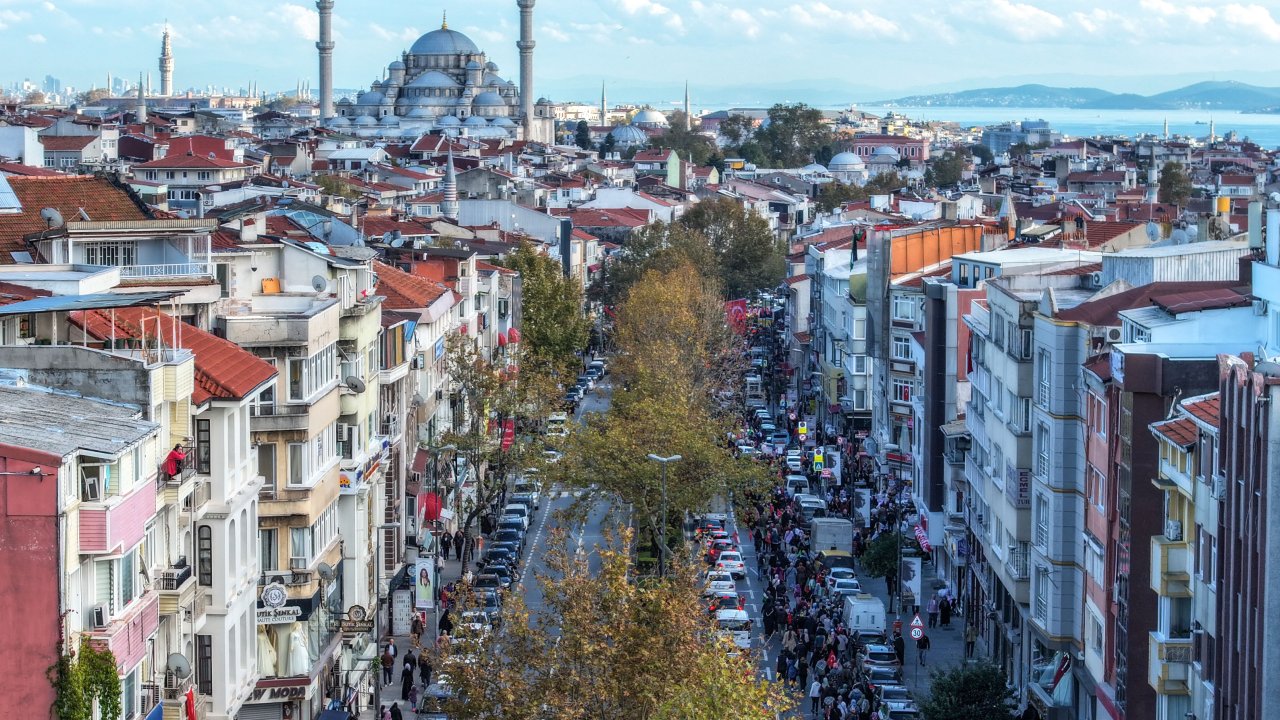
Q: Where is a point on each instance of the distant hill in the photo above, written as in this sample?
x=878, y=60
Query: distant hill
x=1215, y=95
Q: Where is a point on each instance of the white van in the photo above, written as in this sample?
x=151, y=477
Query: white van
x=736, y=625
x=797, y=484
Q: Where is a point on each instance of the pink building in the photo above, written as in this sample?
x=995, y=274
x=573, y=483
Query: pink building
x=914, y=150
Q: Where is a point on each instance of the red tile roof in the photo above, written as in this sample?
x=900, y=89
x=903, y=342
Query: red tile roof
x=602, y=217
x=13, y=168
x=66, y=143
x=1181, y=431
x=404, y=291
x=1078, y=270
x=482, y=265
x=1185, y=301
x=68, y=194
x=224, y=370
x=797, y=278
x=201, y=145
x=190, y=162
x=803, y=337
x=1207, y=409
x=11, y=293
x=1101, y=232
x=1104, y=312
x=1099, y=365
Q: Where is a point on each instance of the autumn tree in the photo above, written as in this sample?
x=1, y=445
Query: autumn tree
x=92, y=97
x=977, y=691
x=657, y=246
x=553, y=326
x=604, y=645
x=1175, y=184
x=35, y=97
x=748, y=255
x=690, y=145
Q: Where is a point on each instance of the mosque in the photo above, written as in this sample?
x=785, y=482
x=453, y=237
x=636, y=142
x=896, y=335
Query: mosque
x=444, y=83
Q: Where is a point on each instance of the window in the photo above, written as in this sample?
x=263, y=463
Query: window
x=902, y=390
x=204, y=664
x=1042, y=378
x=860, y=329
x=901, y=347
x=963, y=275
x=204, y=555
x=1096, y=414
x=267, y=466
x=859, y=364
x=998, y=324
x=128, y=569
x=860, y=399
x=129, y=695
x=1206, y=556
x=1093, y=565
x=308, y=376
x=299, y=546
x=1042, y=595
x=1095, y=488
x=1042, y=522
x=904, y=308
x=325, y=529
x=1095, y=635
x=1042, y=450
x=268, y=550
x=297, y=463
x=1024, y=415
x=204, y=453
x=109, y=253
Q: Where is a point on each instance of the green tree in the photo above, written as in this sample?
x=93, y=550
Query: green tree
x=982, y=153
x=737, y=128
x=333, y=185
x=1175, y=184
x=748, y=255
x=880, y=559
x=694, y=147
x=607, y=145
x=554, y=326
x=92, y=97
x=969, y=692
x=582, y=135
x=657, y=246
x=949, y=168
x=835, y=194
x=795, y=135
x=884, y=183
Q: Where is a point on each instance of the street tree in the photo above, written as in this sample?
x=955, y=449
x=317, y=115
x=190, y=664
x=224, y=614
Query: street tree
x=690, y=145
x=750, y=258
x=737, y=129
x=948, y=169
x=796, y=134
x=982, y=154
x=835, y=194
x=603, y=645
x=657, y=246
x=969, y=692
x=880, y=559
x=554, y=327
x=582, y=135
x=92, y=97
x=1175, y=184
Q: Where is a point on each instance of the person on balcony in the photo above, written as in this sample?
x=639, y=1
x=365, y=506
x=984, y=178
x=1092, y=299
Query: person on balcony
x=173, y=463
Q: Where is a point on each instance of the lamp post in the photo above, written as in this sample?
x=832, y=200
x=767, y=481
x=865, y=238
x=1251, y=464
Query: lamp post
x=662, y=548
x=377, y=610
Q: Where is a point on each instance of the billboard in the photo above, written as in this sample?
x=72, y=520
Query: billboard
x=424, y=582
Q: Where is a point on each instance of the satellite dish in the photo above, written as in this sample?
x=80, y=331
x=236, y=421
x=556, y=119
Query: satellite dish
x=179, y=665
x=1153, y=231
x=386, y=237
x=397, y=242
x=354, y=383
x=326, y=571
x=319, y=283
x=52, y=218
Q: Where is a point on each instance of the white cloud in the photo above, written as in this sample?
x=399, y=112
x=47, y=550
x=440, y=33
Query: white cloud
x=36, y=38
x=403, y=35
x=9, y=17
x=554, y=32
x=1252, y=18
x=863, y=22
x=1025, y=21
x=670, y=19
x=301, y=21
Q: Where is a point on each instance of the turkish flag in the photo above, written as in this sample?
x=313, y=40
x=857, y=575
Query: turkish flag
x=429, y=503
x=191, y=704
x=735, y=313
x=508, y=434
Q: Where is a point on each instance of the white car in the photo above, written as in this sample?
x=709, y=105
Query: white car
x=551, y=456
x=846, y=587
x=794, y=465
x=718, y=582
x=731, y=562
x=736, y=625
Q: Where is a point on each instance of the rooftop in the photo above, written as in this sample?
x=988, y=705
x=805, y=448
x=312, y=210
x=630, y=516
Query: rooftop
x=1205, y=410
x=63, y=425
x=1181, y=431
x=70, y=195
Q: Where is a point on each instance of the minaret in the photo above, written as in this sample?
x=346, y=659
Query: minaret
x=166, y=64
x=604, y=107
x=525, y=45
x=325, y=46
x=449, y=208
x=1166, y=128
x=141, y=110
x=688, y=109
x=1213, y=135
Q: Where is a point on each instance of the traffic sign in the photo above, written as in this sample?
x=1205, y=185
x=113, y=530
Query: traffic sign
x=916, y=622
x=804, y=428
x=917, y=633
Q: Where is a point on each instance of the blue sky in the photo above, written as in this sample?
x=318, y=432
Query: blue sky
x=642, y=46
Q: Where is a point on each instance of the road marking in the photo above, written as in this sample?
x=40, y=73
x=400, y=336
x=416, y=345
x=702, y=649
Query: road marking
x=537, y=535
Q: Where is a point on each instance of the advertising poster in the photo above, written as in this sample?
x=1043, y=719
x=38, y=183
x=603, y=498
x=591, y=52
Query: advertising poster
x=910, y=578
x=424, y=582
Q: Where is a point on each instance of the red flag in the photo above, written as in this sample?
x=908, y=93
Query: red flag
x=429, y=506
x=191, y=704
x=508, y=434
x=735, y=313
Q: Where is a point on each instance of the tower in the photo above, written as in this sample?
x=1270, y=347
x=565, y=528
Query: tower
x=1213, y=134
x=525, y=45
x=604, y=106
x=325, y=46
x=449, y=208
x=166, y=64
x=688, y=109
x=140, y=111
x=1166, y=128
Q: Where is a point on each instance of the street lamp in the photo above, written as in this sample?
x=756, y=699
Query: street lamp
x=377, y=609
x=662, y=549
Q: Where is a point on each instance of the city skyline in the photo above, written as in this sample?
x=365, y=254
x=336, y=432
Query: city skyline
x=634, y=41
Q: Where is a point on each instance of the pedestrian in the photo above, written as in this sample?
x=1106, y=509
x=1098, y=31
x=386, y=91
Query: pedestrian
x=384, y=713
x=446, y=541
x=391, y=648
x=944, y=609
x=933, y=612
x=395, y=712
x=922, y=647
x=406, y=680
x=424, y=669
x=970, y=637
x=410, y=664
x=458, y=541
x=415, y=630
x=900, y=648
x=815, y=696
x=388, y=668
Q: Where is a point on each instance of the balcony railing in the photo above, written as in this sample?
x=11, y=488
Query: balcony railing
x=390, y=427
x=274, y=410
x=199, y=497
x=173, y=578
x=166, y=270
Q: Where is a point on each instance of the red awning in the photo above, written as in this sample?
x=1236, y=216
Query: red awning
x=420, y=461
x=594, y=267
x=502, y=339
x=513, y=336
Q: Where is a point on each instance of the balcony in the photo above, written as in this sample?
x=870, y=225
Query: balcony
x=172, y=692
x=390, y=428
x=168, y=270
x=171, y=488
x=117, y=522
x=1018, y=565
x=127, y=635
x=177, y=587
x=278, y=418
x=1170, y=567
x=980, y=379
x=1169, y=664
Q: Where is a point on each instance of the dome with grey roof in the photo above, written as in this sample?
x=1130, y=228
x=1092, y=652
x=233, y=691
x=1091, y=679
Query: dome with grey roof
x=433, y=79
x=448, y=121
x=396, y=65
x=505, y=122
x=475, y=121
x=419, y=112
x=339, y=121
x=372, y=97
x=444, y=42
x=628, y=135
x=650, y=118
x=885, y=152
x=813, y=168
x=474, y=65
x=489, y=99
x=389, y=120
x=491, y=66
x=364, y=120
x=845, y=162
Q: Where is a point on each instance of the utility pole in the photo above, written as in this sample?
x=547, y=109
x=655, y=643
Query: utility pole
x=662, y=548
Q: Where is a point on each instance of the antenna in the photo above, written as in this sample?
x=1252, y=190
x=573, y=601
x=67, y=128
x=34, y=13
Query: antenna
x=354, y=383
x=52, y=218
x=179, y=665
x=320, y=283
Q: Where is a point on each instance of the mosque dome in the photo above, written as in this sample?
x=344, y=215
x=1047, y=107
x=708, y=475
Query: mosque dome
x=419, y=112
x=364, y=121
x=448, y=121
x=396, y=65
x=339, y=121
x=489, y=99
x=628, y=135
x=884, y=151
x=344, y=101
x=813, y=168
x=491, y=66
x=504, y=122
x=845, y=162
x=389, y=120
x=411, y=133
x=649, y=117
x=373, y=97
x=433, y=79
x=474, y=65
x=444, y=42
x=475, y=121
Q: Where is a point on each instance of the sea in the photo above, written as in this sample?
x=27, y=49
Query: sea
x=1261, y=129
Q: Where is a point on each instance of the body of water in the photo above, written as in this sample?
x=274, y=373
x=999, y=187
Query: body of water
x=1261, y=129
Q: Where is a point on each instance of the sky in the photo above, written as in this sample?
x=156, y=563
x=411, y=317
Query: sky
x=865, y=49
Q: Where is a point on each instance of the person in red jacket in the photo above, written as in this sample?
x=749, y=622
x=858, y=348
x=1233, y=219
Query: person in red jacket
x=173, y=463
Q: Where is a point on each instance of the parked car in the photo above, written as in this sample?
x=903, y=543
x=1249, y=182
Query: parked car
x=879, y=656
x=731, y=562
x=719, y=581
x=509, y=535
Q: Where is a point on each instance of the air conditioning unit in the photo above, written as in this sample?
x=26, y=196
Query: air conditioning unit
x=99, y=616
x=419, y=362
x=344, y=432
x=1095, y=279
x=1114, y=335
x=1219, y=486
x=1173, y=529
x=297, y=563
